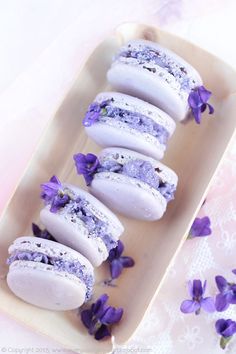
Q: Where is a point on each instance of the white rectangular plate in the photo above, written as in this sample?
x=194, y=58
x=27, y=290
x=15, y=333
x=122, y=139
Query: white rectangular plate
x=194, y=152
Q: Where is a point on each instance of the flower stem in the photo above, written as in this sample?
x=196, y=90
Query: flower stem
x=224, y=341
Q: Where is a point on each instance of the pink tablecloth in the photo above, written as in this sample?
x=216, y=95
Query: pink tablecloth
x=43, y=44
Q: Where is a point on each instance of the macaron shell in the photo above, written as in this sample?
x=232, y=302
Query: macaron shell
x=107, y=135
x=141, y=83
x=128, y=199
x=44, y=288
x=66, y=233
x=153, y=45
x=50, y=249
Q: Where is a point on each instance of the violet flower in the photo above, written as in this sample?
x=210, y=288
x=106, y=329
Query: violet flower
x=197, y=101
x=42, y=233
x=92, y=114
x=196, y=291
x=52, y=193
x=227, y=293
x=201, y=227
x=118, y=262
x=100, y=317
x=86, y=165
x=226, y=328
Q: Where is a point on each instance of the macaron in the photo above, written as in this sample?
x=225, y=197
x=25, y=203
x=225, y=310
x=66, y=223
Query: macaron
x=116, y=119
x=77, y=219
x=153, y=73
x=49, y=275
x=131, y=183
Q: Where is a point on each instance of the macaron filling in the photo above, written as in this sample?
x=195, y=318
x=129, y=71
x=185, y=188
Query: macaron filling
x=63, y=200
x=72, y=267
x=142, y=171
x=151, y=59
x=101, y=112
x=97, y=228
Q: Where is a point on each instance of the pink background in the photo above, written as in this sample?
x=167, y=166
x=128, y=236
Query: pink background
x=42, y=46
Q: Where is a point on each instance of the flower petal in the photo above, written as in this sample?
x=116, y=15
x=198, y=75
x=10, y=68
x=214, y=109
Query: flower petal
x=127, y=262
x=194, y=100
x=190, y=288
x=204, y=287
x=221, y=302
x=220, y=325
x=189, y=306
x=112, y=315
x=36, y=230
x=86, y=317
x=98, y=307
x=230, y=329
x=54, y=179
x=232, y=298
x=221, y=283
x=211, y=108
x=116, y=268
x=201, y=227
x=197, y=288
x=119, y=249
x=204, y=94
x=208, y=304
x=102, y=332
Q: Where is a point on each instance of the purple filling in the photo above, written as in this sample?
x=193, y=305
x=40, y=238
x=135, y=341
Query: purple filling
x=59, y=264
x=150, y=55
x=98, y=112
x=96, y=227
x=141, y=170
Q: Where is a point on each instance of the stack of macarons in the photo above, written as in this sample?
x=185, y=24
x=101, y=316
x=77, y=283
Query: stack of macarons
x=55, y=271
x=157, y=88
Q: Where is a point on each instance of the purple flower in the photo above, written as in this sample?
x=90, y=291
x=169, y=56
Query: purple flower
x=118, y=262
x=226, y=328
x=100, y=317
x=196, y=291
x=197, y=101
x=86, y=165
x=200, y=227
x=42, y=233
x=92, y=115
x=52, y=193
x=227, y=293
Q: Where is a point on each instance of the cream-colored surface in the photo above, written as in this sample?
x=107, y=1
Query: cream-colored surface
x=145, y=242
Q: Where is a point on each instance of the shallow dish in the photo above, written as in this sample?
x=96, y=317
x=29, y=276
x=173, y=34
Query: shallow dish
x=194, y=152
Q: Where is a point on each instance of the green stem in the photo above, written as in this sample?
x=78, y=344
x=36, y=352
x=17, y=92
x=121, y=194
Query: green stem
x=224, y=341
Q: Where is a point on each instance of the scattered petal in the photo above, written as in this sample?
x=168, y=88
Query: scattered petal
x=117, y=261
x=201, y=227
x=225, y=327
x=99, y=318
x=197, y=101
x=86, y=165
